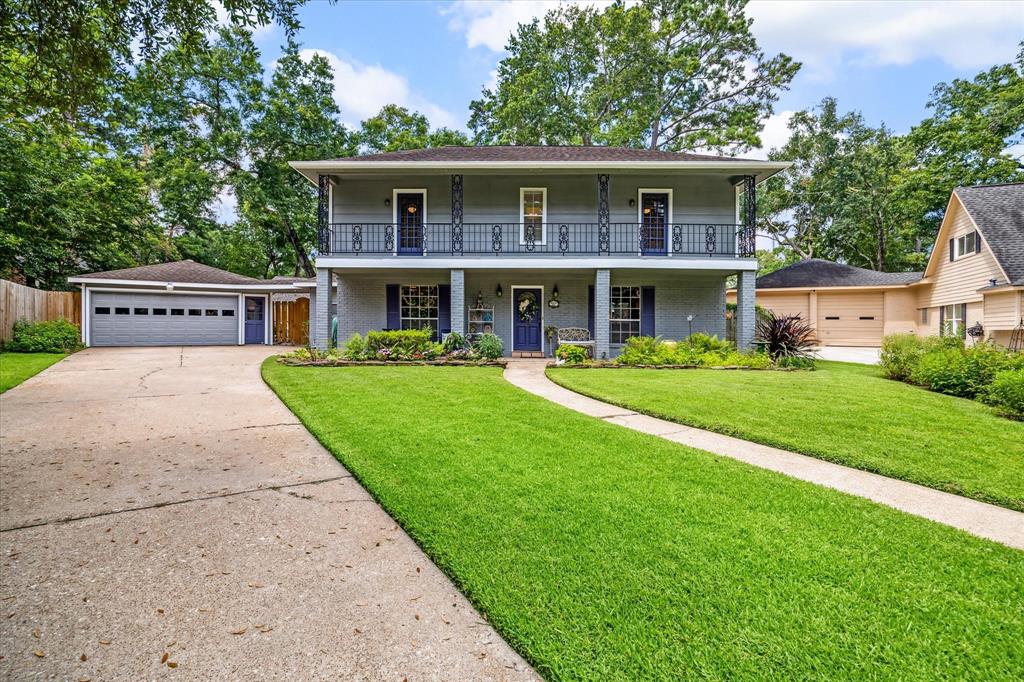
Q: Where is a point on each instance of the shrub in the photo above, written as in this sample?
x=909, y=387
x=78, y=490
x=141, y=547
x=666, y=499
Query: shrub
x=1006, y=393
x=574, y=355
x=399, y=343
x=641, y=350
x=964, y=372
x=795, y=362
x=489, y=346
x=901, y=353
x=355, y=347
x=784, y=336
x=704, y=343
x=453, y=342
x=55, y=336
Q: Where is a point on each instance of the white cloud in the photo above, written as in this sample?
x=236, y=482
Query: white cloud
x=362, y=89
x=774, y=135
x=824, y=34
x=225, y=207
x=489, y=23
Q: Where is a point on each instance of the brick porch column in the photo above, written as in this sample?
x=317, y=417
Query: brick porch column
x=458, y=307
x=320, y=311
x=745, y=319
x=602, y=305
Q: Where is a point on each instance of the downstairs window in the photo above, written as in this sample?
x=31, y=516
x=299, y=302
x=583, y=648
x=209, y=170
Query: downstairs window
x=419, y=306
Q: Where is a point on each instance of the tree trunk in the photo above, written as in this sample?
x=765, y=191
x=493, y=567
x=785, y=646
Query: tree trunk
x=301, y=258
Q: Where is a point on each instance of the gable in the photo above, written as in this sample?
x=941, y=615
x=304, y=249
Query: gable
x=958, y=281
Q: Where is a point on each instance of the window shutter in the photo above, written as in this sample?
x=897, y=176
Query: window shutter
x=951, y=245
x=394, y=318
x=942, y=320
x=646, y=311
x=590, y=310
x=444, y=309
x=977, y=242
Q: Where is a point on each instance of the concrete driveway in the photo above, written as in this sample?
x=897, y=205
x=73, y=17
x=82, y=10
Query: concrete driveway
x=162, y=513
x=860, y=355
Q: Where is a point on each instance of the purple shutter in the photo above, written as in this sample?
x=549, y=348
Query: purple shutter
x=394, y=319
x=444, y=309
x=977, y=242
x=646, y=311
x=590, y=310
x=951, y=250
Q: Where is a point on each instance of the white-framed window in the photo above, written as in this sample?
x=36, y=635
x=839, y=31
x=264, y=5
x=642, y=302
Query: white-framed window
x=965, y=245
x=624, y=315
x=418, y=304
x=954, y=319
x=533, y=213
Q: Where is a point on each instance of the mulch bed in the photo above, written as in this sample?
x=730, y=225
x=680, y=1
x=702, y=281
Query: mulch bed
x=339, y=362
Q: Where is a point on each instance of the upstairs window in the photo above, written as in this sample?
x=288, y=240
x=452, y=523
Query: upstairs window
x=965, y=245
x=533, y=213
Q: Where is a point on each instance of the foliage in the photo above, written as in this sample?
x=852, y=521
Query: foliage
x=662, y=74
x=770, y=260
x=833, y=585
x=699, y=350
x=395, y=128
x=453, y=341
x=783, y=336
x=54, y=336
x=1006, y=393
x=489, y=346
x=900, y=355
x=842, y=412
x=572, y=354
x=17, y=367
x=355, y=347
x=964, y=372
x=405, y=341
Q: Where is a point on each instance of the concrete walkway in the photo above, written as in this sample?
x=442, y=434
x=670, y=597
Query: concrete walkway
x=162, y=506
x=984, y=520
x=860, y=355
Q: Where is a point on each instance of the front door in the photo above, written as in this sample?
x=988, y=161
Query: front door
x=410, y=223
x=526, y=322
x=254, y=319
x=654, y=224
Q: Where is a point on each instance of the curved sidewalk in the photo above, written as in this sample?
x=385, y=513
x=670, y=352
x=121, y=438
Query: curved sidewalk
x=978, y=518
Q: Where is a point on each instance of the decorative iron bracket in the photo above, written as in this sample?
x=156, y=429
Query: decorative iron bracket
x=457, y=196
x=603, y=215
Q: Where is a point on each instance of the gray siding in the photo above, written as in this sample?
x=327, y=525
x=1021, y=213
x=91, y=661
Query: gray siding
x=571, y=198
x=362, y=306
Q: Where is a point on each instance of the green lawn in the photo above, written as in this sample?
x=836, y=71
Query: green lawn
x=16, y=367
x=842, y=412
x=602, y=553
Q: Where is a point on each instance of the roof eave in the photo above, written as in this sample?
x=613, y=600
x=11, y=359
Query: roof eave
x=256, y=286
x=762, y=170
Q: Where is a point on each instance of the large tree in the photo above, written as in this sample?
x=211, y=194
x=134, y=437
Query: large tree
x=395, y=128
x=663, y=74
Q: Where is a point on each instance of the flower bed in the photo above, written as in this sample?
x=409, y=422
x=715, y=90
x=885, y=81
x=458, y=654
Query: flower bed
x=329, y=360
x=405, y=347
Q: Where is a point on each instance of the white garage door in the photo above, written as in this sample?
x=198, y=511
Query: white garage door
x=162, y=320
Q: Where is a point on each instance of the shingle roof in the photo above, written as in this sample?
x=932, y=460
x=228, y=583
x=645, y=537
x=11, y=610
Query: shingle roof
x=816, y=272
x=998, y=212
x=535, y=153
x=185, y=271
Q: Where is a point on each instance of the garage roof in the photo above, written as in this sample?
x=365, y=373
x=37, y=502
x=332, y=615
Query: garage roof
x=191, y=274
x=816, y=272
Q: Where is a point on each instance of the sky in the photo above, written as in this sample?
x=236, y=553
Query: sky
x=880, y=57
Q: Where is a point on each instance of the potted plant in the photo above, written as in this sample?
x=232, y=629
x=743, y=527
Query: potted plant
x=550, y=332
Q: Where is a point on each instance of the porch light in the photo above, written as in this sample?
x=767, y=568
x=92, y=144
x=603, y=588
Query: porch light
x=632, y=203
x=497, y=291
x=412, y=208
x=387, y=202
x=554, y=293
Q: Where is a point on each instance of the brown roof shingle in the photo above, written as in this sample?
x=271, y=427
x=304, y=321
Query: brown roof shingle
x=816, y=272
x=185, y=271
x=535, y=153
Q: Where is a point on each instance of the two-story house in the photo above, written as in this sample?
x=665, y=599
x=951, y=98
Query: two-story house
x=512, y=240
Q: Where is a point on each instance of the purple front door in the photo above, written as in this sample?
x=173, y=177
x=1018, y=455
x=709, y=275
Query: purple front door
x=526, y=331
x=410, y=224
x=654, y=224
x=254, y=320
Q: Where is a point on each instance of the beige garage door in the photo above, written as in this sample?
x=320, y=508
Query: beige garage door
x=850, y=319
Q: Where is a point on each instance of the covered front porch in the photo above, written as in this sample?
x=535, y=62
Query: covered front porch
x=523, y=306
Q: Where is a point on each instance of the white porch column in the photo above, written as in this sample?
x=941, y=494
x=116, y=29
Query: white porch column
x=602, y=305
x=745, y=318
x=458, y=303
x=320, y=326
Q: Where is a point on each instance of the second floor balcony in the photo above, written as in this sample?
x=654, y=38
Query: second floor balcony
x=413, y=239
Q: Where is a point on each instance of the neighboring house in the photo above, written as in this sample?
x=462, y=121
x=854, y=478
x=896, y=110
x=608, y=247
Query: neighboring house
x=183, y=303
x=974, y=280
x=514, y=239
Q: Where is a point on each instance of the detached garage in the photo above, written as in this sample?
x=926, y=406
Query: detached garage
x=183, y=303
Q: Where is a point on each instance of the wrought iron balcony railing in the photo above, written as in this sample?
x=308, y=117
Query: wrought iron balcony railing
x=550, y=239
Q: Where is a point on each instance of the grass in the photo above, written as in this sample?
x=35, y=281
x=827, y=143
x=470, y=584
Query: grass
x=843, y=413
x=602, y=553
x=16, y=367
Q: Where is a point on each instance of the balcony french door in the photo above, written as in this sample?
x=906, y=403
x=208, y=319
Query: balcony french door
x=654, y=224
x=410, y=222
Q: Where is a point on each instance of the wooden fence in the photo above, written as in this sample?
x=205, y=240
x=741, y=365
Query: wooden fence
x=291, y=321
x=19, y=302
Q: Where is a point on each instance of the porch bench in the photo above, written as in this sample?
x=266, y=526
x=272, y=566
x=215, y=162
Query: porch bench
x=575, y=336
